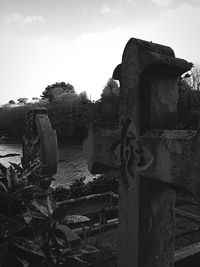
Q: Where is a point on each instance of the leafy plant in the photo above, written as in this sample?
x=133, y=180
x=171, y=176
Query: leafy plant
x=30, y=232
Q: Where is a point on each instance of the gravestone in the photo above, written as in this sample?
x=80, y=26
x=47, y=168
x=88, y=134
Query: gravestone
x=151, y=159
x=40, y=143
x=155, y=159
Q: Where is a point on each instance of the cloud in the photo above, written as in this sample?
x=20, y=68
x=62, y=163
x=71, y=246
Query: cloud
x=32, y=19
x=22, y=21
x=13, y=18
x=162, y=3
x=105, y=9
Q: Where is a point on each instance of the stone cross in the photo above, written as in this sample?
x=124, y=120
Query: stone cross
x=155, y=159
x=40, y=142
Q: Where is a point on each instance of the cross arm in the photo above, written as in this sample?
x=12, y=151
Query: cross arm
x=175, y=158
x=100, y=147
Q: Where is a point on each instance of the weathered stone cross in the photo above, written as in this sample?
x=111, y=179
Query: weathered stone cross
x=155, y=159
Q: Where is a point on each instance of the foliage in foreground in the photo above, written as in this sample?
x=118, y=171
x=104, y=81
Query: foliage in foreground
x=30, y=233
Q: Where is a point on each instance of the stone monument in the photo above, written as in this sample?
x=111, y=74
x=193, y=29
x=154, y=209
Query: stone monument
x=153, y=157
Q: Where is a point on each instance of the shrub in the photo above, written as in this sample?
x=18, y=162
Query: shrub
x=30, y=232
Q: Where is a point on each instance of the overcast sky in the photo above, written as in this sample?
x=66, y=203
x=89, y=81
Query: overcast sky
x=81, y=41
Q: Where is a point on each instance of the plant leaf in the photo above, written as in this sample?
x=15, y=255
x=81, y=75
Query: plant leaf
x=34, y=215
x=25, y=192
x=11, y=176
x=10, y=226
x=59, y=234
x=27, y=245
x=49, y=204
x=43, y=205
x=2, y=186
x=3, y=169
x=24, y=262
x=16, y=167
x=55, y=245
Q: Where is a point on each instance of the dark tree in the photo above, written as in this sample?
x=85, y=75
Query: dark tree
x=22, y=100
x=111, y=90
x=51, y=92
x=188, y=105
x=194, y=78
x=84, y=98
x=109, y=102
x=11, y=102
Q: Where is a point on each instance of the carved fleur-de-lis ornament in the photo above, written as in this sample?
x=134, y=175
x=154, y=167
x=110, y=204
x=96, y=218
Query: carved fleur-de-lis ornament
x=133, y=155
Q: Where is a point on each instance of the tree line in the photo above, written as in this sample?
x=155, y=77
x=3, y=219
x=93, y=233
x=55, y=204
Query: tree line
x=70, y=113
